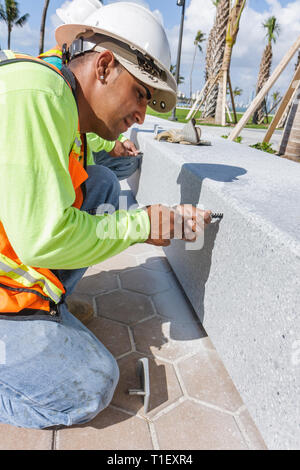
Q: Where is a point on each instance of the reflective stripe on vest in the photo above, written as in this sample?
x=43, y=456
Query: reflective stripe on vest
x=28, y=277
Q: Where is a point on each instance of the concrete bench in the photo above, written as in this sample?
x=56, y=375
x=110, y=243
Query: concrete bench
x=244, y=283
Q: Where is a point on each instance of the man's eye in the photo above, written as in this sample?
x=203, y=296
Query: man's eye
x=141, y=96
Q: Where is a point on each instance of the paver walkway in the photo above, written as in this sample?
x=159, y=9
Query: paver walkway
x=141, y=311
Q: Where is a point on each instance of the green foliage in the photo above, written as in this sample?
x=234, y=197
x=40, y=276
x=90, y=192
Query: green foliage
x=237, y=139
x=9, y=13
x=273, y=29
x=173, y=72
x=200, y=37
x=264, y=146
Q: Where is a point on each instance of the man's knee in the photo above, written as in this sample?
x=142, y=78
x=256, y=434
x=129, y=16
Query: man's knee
x=96, y=395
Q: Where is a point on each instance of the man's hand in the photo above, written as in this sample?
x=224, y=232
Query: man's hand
x=131, y=148
x=184, y=222
x=122, y=149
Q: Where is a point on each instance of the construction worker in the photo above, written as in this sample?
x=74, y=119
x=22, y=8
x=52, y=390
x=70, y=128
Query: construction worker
x=58, y=216
x=107, y=153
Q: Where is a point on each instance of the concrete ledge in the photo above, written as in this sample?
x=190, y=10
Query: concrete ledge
x=244, y=283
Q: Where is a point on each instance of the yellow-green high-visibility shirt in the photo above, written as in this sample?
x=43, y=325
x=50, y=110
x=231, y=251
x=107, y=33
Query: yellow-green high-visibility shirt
x=39, y=120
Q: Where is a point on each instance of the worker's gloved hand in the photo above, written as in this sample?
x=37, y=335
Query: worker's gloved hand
x=124, y=149
x=184, y=222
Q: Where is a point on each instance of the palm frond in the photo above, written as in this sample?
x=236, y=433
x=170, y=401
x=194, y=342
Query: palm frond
x=21, y=21
x=2, y=13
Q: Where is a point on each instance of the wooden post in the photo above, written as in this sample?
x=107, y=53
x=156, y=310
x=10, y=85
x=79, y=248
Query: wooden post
x=267, y=86
x=232, y=99
x=201, y=98
x=228, y=112
x=196, y=102
x=290, y=142
x=284, y=103
x=224, y=98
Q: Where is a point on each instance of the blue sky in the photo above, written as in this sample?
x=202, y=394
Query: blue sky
x=170, y=11
x=199, y=15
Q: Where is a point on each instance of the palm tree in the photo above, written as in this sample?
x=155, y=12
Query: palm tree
x=215, y=53
x=273, y=29
x=237, y=91
x=43, y=23
x=173, y=72
x=200, y=37
x=231, y=35
x=10, y=14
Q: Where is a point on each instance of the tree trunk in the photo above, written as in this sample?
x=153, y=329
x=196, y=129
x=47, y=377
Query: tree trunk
x=263, y=76
x=216, y=54
x=231, y=35
x=290, y=143
x=192, y=72
x=208, y=58
x=43, y=22
x=223, y=85
x=9, y=36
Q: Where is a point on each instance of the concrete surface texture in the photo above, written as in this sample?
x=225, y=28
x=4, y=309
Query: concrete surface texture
x=141, y=311
x=244, y=283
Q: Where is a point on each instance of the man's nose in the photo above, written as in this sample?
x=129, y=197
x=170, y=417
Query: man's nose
x=139, y=115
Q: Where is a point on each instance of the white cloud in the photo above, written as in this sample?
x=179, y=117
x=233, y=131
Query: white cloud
x=23, y=39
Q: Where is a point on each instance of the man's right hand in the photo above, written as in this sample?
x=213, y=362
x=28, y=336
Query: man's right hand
x=184, y=222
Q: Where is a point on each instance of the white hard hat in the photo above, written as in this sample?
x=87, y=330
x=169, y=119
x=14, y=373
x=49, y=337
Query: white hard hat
x=138, y=41
x=77, y=11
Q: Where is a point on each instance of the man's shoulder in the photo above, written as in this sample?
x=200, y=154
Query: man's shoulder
x=33, y=76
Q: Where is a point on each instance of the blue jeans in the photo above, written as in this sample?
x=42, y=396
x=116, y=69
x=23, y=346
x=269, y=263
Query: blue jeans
x=123, y=167
x=58, y=373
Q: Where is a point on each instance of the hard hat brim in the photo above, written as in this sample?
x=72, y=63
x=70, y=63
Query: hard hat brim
x=164, y=97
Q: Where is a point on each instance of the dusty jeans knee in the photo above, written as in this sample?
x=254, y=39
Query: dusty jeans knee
x=54, y=373
x=58, y=373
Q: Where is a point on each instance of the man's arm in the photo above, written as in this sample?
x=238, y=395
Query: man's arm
x=37, y=191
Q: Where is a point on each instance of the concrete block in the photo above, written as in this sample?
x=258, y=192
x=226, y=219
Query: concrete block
x=244, y=283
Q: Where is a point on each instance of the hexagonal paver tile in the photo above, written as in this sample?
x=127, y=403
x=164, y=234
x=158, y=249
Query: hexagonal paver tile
x=13, y=438
x=206, y=379
x=164, y=386
x=124, y=306
x=173, y=304
x=155, y=263
x=144, y=281
x=97, y=283
x=116, y=263
x=192, y=426
x=113, y=335
x=152, y=338
x=110, y=430
x=80, y=297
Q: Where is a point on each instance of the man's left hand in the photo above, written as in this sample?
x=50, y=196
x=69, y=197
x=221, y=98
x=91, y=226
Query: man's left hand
x=124, y=149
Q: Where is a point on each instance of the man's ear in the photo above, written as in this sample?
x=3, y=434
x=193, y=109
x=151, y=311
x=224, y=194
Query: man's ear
x=104, y=64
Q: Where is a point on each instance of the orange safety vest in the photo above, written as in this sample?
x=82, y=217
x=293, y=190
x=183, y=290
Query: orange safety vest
x=26, y=290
